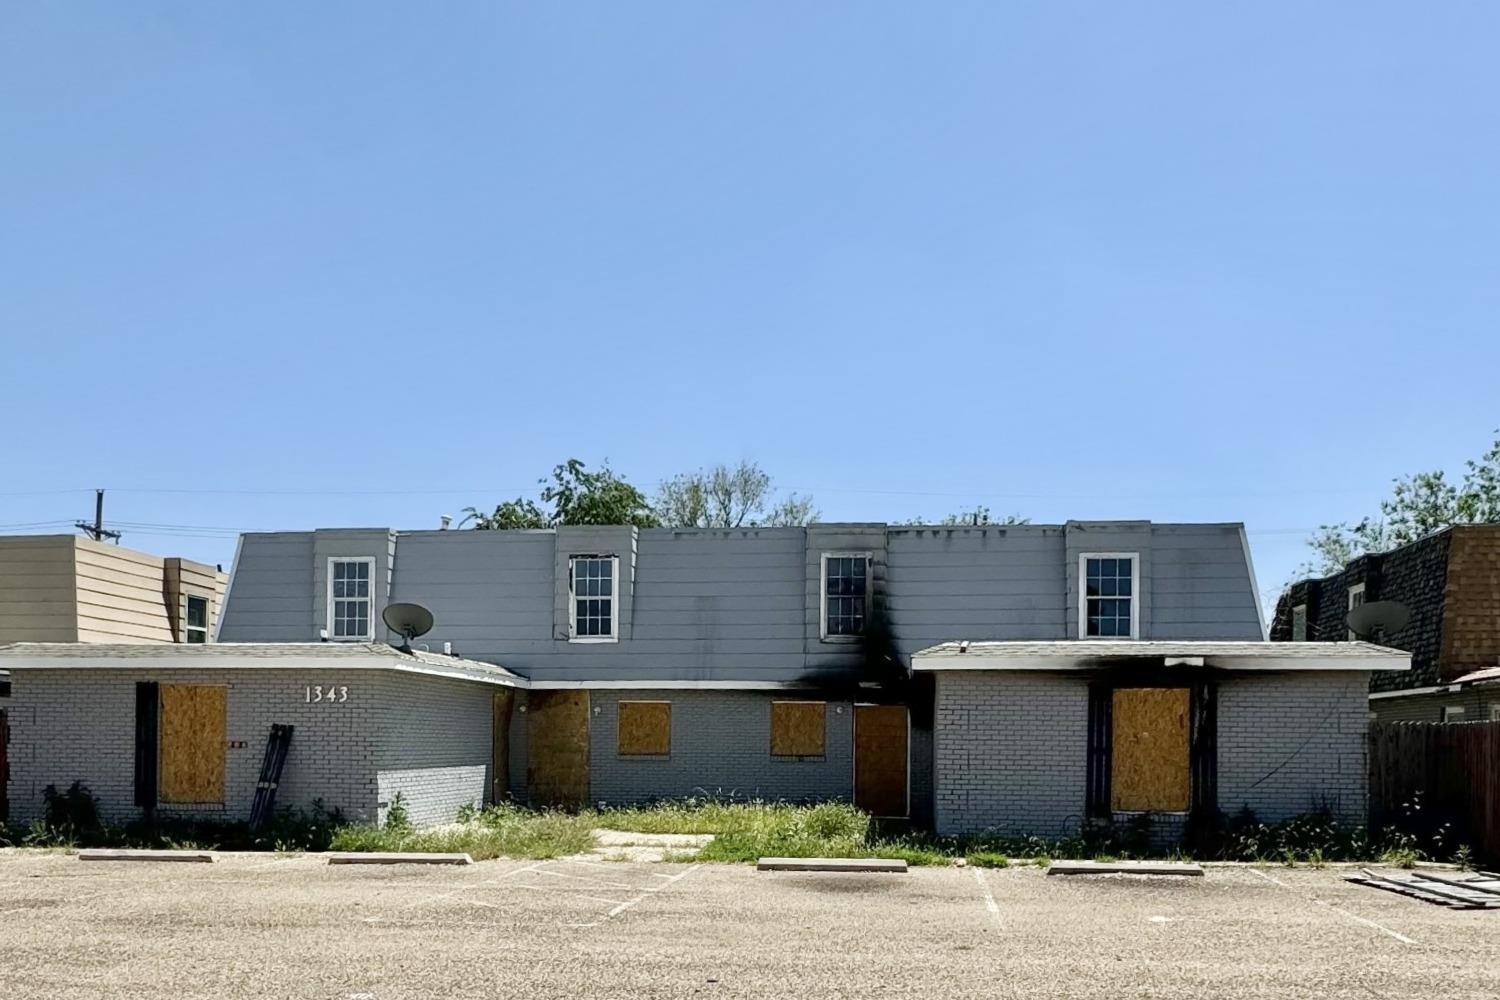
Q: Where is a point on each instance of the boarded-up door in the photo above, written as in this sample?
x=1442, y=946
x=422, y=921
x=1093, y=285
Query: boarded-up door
x=1149, y=770
x=192, y=743
x=504, y=702
x=880, y=763
x=557, y=767
x=4, y=766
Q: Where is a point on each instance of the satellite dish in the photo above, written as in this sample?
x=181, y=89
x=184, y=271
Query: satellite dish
x=408, y=621
x=1378, y=617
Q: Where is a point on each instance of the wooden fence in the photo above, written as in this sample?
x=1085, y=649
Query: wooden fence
x=1425, y=774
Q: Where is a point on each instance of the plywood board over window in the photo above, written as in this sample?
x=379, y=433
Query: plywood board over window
x=645, y=728
x=193, y=718
x=1149, y=771
x=798, y=728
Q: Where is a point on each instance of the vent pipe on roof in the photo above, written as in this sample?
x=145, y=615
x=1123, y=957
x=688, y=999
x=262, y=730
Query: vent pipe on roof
x=444, y=521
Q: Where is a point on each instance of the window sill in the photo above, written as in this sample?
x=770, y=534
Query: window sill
x=592, y=640
x=840, y=640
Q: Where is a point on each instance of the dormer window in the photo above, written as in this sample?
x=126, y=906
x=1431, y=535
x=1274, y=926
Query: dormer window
x=1110, y=582
x=593, y=611
x=349, y=599
x=845, y=592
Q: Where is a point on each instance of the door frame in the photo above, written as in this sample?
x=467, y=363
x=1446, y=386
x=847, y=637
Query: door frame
x=854, y=754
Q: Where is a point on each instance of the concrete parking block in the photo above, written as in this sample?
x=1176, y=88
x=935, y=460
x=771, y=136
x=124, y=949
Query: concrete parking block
x=831, y=865
x=199, y=857
x=397, y=858
x=1122, y=868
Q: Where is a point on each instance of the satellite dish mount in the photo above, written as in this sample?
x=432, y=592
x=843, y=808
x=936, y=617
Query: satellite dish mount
x=1378, y=619
x=408, y=621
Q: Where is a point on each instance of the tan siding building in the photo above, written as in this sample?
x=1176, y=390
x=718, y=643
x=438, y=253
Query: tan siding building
x=64, y=588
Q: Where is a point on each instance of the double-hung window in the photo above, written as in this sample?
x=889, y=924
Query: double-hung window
x=1356, y=598
x=1110, y=584
x=349, y=600
x=593, y=585
x=196, y=630
x=1299, y=623
x=846, y=588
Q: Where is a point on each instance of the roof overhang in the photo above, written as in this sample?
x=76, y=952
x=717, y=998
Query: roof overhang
x=1079, y=655
x=251, y=657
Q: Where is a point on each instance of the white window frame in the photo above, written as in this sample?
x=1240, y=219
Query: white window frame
x=614, y=599
x=1453, y=713
x=1300, y=609
x=869, y=558
x=328, y=586
x=208, y=613
x=1495, y=713
x=1349, y=605
x=1135, y=594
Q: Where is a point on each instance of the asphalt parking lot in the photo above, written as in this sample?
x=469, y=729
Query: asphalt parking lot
x=267, y=926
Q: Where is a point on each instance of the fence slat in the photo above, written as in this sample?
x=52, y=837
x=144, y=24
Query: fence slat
x=1452, y=768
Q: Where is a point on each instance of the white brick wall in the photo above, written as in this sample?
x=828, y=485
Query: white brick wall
x=1291, y=743
x=426, y=737
x=1010, y=752
x=433, y=745
x=1011, y=748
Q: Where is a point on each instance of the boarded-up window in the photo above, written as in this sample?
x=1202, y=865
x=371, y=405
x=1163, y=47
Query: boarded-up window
x=645, y=728
x=797, y=728
x=1149, y=771
x=192, y=743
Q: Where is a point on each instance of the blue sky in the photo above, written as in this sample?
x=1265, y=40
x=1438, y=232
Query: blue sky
x=288, y=265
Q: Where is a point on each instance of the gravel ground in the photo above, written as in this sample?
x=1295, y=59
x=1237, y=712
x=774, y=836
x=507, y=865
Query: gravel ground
x=262, y=926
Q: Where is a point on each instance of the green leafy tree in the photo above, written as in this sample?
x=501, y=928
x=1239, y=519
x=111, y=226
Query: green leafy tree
x=981, y=515
x=1418, y=505
x=576, y=495
x=724, y=497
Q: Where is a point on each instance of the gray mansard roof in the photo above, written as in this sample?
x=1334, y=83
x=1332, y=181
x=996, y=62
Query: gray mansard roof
x=743, y=605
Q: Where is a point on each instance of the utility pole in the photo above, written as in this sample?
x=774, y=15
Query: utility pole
x=96, y=530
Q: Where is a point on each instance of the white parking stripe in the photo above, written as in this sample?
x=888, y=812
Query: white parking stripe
x=585, y=878
x=570, y=893
x=1337, y=909
x=627, y=905
x=989, y=897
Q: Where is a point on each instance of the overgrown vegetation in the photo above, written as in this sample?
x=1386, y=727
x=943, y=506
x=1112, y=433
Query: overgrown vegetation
x=499, y=831
x=746, y=830
x=71, y=819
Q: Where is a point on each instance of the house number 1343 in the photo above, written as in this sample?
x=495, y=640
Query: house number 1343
x=318, y=692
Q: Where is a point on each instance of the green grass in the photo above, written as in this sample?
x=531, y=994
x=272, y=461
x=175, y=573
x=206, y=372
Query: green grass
x=500, y=831
x=988, y=859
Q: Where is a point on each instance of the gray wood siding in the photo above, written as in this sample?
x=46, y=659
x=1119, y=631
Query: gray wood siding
x=271, y=591
x=986, y=582
x=744, y=604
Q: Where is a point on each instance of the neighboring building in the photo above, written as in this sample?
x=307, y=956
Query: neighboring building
x=1063, y=673
x=1450, y=582
x=65, y=588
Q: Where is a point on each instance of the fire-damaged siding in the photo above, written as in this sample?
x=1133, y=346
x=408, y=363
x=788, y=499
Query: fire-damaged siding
x=744, y=604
